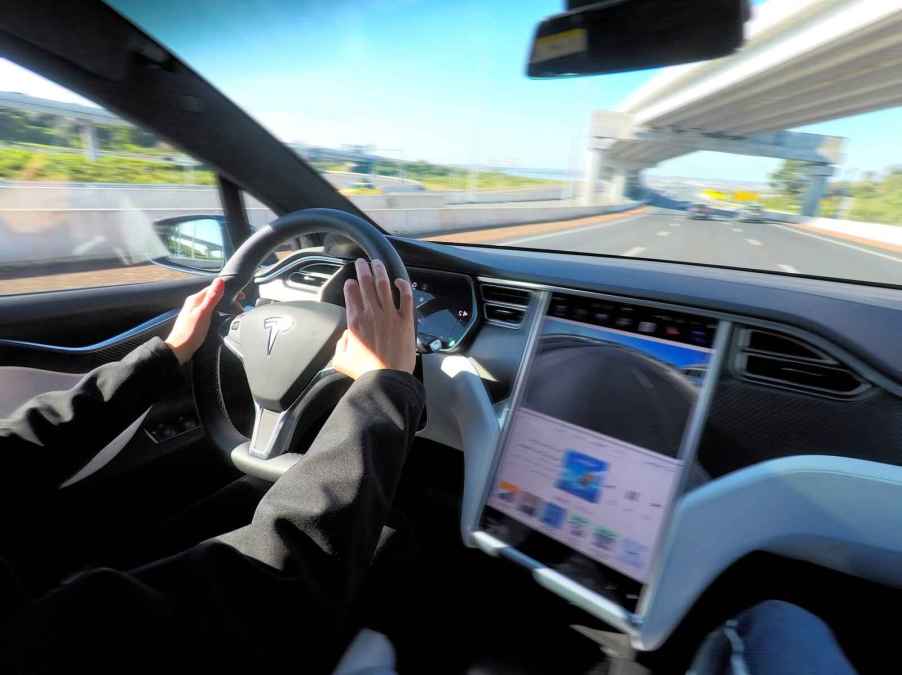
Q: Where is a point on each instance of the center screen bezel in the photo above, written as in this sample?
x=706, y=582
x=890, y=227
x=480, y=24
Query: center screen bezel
x=530, y=542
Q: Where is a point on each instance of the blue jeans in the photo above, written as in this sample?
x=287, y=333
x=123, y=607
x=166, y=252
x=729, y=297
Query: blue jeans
x=773, y=638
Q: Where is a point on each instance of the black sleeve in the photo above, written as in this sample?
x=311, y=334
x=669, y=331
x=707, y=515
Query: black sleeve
x=54, y=434
x=276, y=592
x=336, y=498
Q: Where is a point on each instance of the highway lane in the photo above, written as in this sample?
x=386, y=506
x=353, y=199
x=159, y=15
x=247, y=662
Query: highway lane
x=775, y=247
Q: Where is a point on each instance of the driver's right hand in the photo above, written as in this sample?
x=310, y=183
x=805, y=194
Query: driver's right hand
x=379, y=335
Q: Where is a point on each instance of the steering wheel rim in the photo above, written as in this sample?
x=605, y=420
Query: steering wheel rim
x=239, y=271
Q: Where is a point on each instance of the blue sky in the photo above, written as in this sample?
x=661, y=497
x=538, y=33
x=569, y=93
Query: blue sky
x=435, y=80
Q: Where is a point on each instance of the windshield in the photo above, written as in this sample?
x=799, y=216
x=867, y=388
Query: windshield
x=784, y=157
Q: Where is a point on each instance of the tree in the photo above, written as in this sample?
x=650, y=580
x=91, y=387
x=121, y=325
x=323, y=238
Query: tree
x=790, y=178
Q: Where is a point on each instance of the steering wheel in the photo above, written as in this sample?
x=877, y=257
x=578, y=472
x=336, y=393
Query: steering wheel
x=285, y=347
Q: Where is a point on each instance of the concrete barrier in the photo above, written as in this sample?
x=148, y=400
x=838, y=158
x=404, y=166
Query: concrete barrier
x=102, y=195
x=426, y=222
x=876, y=232
x=65, y=222
x=532, y=194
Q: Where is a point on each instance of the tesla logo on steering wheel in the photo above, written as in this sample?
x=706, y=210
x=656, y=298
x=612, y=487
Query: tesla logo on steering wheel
x=275, y=325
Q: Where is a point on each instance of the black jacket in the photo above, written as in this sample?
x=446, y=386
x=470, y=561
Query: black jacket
x=275, y=594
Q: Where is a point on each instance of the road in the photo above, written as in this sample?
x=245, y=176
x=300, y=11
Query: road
x=670, y=235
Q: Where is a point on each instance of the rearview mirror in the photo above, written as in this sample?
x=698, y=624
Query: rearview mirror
x=194, y=242
x=615, y=36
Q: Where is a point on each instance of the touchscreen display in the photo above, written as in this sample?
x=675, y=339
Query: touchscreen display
x=591, y=458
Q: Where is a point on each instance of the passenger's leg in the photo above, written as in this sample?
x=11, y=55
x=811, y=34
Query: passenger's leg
x=773, y=638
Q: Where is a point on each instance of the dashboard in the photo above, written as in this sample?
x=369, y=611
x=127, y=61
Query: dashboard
x=802, y=423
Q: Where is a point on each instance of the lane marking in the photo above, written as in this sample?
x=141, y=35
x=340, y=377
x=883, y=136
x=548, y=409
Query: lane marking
x=635, y=250
x=674, y=224
x=737, y=229
x=664, y=233
x=581, y=230
x=789, y=268
x=838, y=243
x=754, y=242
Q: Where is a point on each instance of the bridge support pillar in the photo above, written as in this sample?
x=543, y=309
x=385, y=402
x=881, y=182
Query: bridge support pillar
x=615, y=187
x=89, y=141
x=817, y=188
x=594, y=162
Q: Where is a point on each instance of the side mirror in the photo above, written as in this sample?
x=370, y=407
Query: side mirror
x=199, y=243
x=615, y=36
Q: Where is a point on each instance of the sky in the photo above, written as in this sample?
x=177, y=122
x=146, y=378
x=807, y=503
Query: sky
x=422, y=79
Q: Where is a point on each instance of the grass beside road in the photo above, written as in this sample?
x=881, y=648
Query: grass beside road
x=41, y=164
x=439, y=177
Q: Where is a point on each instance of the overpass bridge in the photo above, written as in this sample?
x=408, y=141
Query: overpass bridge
x=804, y=62
x=88, y=117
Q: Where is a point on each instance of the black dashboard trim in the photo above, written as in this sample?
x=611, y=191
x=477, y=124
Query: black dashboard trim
x=842, y=358
x=849, y=320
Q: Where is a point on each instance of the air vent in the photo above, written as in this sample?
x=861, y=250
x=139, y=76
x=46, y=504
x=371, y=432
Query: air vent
x=505, y=295
x=313, y=275
x=505, y=315
x=505, y=305
x=768, y=342
x=772, y=358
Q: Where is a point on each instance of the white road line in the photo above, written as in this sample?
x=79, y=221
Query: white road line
x=580, y=230
x=788, y=268
x=664, y=233
x=674, y=224
x=635, y=250
x=838, y=243
x=737, y=229
x=754, y=242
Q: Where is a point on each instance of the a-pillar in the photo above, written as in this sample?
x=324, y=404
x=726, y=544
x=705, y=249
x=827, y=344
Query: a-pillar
x=817, y=188
x=89, y=140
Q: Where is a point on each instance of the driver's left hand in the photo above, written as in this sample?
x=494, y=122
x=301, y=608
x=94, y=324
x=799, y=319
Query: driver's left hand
x=193, y=322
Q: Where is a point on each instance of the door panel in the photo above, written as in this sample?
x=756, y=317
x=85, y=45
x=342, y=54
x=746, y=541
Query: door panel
x=77, y=318
x=48, y=340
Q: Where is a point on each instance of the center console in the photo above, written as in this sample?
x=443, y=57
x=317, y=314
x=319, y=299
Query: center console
x=595, y=450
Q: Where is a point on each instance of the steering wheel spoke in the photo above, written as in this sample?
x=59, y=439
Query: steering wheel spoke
x=231, y=339
x=274, y=430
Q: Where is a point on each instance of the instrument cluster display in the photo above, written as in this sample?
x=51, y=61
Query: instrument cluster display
x=445, y=307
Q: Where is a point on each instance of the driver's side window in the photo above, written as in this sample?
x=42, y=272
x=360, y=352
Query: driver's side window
x=88, y=199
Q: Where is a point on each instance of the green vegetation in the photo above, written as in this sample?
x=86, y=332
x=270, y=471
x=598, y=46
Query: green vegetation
x=872, y=199
x=51, y=130
x=443, y=178
x=48, y=148
x=878, y=201
x=435, y=176
x=830, y=206
x=43, y=165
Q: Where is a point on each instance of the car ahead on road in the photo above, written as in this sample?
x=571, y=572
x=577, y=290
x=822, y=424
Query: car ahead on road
x=699, y=211
x=751, y=214
x=765, y=403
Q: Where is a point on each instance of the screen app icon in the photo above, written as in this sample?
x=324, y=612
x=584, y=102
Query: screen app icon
x=582, y=475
